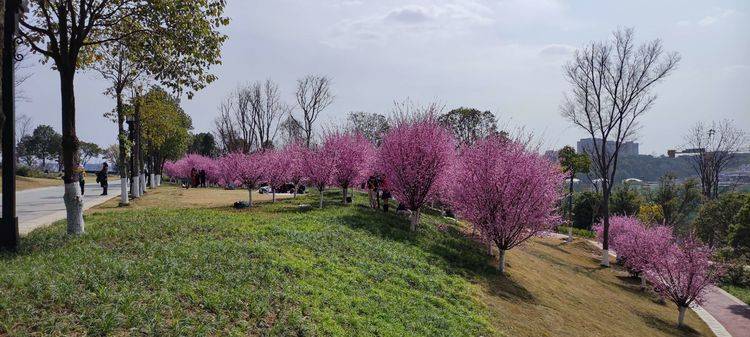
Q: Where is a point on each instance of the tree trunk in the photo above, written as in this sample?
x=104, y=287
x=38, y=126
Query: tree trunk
x=681, y=315
x=121, y=137
x=250, y=197
x=643, y=281
x=273, y=194
x=72, y=197
x=605, y=219
x=414, y=220
x=321, y=197
x=344, y=191
x=501, y=258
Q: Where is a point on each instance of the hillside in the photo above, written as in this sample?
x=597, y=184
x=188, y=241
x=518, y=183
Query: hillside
x=165, y=267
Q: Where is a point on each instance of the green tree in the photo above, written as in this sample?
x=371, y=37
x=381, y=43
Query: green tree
x=739, y=231
x=715, y=216
x=179, y=38
x=572, y=163
x=469, y=125
x=626, y=200
x=204, y=144
x=371, y=125
x=43, y=144
x=165, y=128
x=89, y=151
x=677, y=201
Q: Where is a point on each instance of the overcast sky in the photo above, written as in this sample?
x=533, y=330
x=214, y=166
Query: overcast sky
x=503, y=56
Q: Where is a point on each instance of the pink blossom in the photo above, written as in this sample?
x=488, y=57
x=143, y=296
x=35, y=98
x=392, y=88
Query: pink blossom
x=414, y=158
x=318, y=167
x=275, y=166
x=351, y=154
x=294, y=154
x=507, y=192
x=241, y=169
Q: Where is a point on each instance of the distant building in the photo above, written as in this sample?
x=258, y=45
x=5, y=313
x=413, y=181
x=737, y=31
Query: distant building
x=586, y=145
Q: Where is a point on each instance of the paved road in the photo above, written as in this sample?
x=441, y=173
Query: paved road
x=43, y=206
x=726, y=315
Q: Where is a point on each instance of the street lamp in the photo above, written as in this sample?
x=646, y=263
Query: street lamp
x=14, y=9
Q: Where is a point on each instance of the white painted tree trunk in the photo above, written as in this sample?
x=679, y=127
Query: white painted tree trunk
x=134, y=189
x=158, y=180
x=415, y=220
x=124, y=191
x=142, y=184
x=501, y=257
x=643, y=281
x=321, y=198
x=74, y=207
x=605, y=257
x=153, y=180
x=570, y=234
x=344, y=191
x=681, y=315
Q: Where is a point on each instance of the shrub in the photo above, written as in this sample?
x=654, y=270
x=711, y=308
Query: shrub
x=586, y=210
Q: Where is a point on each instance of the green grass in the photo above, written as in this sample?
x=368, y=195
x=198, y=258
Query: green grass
x=169, y=266
x=743, y=293
x=338, y=271
x=576, y=231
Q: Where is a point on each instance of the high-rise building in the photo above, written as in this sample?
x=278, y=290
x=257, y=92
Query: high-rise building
x=587, y=145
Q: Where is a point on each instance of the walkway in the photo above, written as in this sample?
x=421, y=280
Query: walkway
x=42, y=206
x=726, y=315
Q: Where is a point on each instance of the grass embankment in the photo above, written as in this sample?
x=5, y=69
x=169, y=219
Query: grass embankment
x=164, y=268
x=27, y=183
x=742, y=293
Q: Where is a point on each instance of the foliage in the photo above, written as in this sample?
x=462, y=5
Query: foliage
x=715, y=216
x=89, y=151
x=318, y=167
x=43, y=144
x=415, y=159
x=372, y=126
x=352, y=157
x=586, y=209
x=203, y=144
x=507, y=192
x=684, y=272
x=625, y=200
x=469, y=125
x=739, y=231
x=165, y=126
x=677, y=202
x=576, y=231
x=651, y=214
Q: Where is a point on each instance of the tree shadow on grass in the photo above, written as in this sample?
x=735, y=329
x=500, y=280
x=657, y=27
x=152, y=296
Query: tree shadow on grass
x=455, y=252
x=666, y=326
x=557, y=247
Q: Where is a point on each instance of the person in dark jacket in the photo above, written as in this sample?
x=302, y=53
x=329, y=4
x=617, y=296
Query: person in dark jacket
x=81, y=173
x=101, y=177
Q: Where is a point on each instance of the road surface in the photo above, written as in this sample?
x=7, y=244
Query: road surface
x=42, y=206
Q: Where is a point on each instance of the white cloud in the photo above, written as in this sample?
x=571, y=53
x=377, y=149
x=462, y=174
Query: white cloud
x=556, y=50
x=712, y=19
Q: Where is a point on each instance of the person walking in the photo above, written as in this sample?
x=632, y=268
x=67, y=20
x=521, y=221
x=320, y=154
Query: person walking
x=81, y=173
x=101, y=177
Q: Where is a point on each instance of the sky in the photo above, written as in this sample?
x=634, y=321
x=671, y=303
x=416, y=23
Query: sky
x=503, y=56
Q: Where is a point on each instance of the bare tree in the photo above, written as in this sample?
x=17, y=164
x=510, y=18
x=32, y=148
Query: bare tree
x=410, y=111
x=291, y=130
x=715, y=146
x=313, y=96
x=267, y=110
x=611, y=88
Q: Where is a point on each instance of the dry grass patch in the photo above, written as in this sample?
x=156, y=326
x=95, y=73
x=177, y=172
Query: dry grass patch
x=27, y=183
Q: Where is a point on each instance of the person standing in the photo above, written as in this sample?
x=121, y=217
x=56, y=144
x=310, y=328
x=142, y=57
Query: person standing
x=101, y=177
x=81, y=173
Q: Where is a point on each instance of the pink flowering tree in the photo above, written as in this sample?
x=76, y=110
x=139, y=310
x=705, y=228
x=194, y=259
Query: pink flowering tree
x=683, y=274
x=507, y=192
x=241, y=168
x=275, y=166
x=351, y=154
x=636, y=244
x=294, y=154
x=318, y=167
x=413, y=158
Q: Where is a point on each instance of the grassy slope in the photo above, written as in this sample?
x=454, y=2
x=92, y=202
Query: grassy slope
x=27, y=183
x=743, y=293
x=275, y=271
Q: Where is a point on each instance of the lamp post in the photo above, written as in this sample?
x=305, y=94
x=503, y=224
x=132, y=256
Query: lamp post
x=9, y=223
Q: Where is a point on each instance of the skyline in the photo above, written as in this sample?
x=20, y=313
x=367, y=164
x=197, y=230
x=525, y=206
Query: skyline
x=378, y=53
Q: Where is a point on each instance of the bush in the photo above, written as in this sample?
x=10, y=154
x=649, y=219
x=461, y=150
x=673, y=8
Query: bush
x=651, y=214
x=586, y=210
x=23, y=171
x=739, y=231
x=576, y=231
x=625, y=200
x=714, y=218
